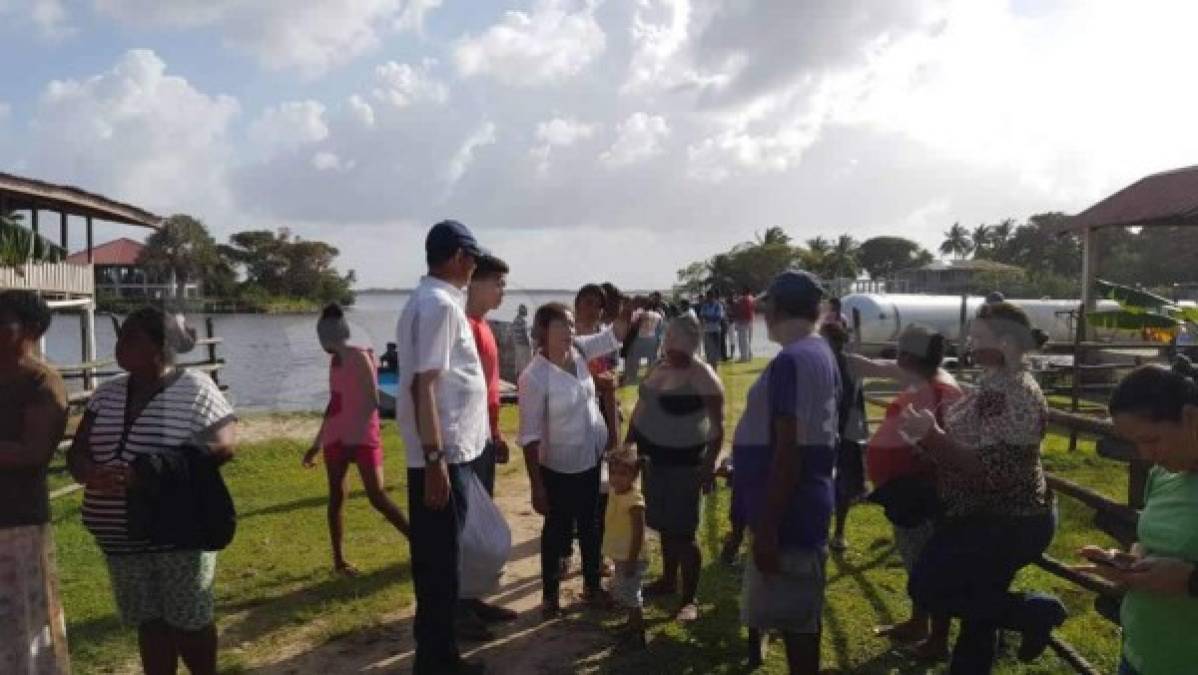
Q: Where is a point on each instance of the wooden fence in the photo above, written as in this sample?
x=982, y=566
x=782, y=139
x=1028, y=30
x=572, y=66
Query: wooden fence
x=52, y=278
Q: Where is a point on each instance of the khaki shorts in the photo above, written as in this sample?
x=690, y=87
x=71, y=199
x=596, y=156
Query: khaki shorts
x=790, y=601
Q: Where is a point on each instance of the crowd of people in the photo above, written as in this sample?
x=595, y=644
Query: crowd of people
x=957, y=470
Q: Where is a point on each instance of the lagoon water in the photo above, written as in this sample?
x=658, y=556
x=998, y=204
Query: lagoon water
x=273, y=362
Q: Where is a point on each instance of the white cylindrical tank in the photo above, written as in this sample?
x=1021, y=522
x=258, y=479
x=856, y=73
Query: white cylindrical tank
x=883, y=317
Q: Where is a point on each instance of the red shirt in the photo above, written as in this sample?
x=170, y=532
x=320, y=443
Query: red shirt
x=744, y=309
x=889, y=456
x=488, y=353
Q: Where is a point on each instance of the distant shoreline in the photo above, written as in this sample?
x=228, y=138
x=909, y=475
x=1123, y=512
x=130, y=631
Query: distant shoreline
x=513, y=290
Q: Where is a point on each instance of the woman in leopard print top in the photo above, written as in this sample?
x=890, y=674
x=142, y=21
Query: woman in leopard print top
x=998, y=513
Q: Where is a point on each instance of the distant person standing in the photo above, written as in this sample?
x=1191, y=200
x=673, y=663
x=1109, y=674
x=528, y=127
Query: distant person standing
x=441, y=408
x=744, y=309
x=712, y=313
x=784, y=456
x=485, y=294
x=647, y=322
x=834, y=314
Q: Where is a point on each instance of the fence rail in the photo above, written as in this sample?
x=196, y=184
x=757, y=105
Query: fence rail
x=57, y=278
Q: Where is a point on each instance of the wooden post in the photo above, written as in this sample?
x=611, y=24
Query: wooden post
x=62, y=232
x=33, y=221
x=1089, y=270
x=961, y=328
x=90, y=255
x=210, y=329
x=857, y=328
x=87, y=340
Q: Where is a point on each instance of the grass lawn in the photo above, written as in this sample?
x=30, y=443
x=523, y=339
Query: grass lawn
x=274, y=580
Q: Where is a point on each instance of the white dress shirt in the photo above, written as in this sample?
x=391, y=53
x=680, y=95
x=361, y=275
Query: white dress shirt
x=434, y=335
x=560, y=409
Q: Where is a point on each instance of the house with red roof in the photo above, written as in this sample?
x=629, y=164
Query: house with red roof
x=118, y=273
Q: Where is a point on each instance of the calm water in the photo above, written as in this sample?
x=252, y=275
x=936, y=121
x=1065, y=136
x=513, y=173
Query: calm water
x=273, y=362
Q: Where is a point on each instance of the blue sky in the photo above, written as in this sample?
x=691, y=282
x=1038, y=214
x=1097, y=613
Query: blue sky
x=587, y=139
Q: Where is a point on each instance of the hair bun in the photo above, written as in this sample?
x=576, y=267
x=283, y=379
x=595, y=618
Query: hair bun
x=332, y=311
x=183, y=337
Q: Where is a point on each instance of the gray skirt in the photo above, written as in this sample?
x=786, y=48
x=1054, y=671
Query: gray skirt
x=673, y=500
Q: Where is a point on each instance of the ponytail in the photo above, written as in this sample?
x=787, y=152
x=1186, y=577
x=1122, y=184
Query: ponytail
x=1157, y=393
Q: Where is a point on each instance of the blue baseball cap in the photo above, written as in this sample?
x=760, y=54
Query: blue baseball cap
x=794, y=289
x=447, y=236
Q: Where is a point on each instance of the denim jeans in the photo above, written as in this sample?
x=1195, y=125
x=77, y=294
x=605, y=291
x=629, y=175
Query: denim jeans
x=966, y=570
x=483, y=466
x=434, y=551
x=573, y=505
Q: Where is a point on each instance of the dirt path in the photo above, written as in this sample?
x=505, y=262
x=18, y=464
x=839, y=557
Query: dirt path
x=524, y=646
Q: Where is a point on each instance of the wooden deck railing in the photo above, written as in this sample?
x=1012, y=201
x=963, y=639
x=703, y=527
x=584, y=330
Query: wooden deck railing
x=58, y=278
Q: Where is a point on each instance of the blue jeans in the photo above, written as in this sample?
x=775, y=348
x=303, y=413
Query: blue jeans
x=966, y=570
x=434, y=551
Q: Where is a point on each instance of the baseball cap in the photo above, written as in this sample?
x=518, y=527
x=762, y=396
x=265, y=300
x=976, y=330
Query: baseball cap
x=447, y=236
x=792, y=289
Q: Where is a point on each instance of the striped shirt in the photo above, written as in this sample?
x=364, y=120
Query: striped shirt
x=183, y=412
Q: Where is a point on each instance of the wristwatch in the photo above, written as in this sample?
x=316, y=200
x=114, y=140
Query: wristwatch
x=433, y=456
x=1192, y=584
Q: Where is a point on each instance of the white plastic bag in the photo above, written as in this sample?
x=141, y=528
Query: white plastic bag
x=485, y=543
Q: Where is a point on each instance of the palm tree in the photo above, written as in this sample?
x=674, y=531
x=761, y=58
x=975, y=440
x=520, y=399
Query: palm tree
x=19, y=245
x=720, y=273
x=981, y=240
x=773, y=236
x=181, y=250
x=842, y=261
x=956, y=242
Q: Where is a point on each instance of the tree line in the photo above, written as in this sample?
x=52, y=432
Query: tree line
x=256, y=269
x=1049, y=263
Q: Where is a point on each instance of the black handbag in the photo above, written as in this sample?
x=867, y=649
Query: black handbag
x=180, y=500
x=908, y=501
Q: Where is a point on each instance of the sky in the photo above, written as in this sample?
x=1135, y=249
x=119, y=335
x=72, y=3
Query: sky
x=585, y=140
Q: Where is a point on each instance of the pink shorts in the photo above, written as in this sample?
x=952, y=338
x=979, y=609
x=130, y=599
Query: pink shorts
x=365, y=456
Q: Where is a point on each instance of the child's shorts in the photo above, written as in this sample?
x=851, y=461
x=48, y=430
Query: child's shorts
x=365, y=456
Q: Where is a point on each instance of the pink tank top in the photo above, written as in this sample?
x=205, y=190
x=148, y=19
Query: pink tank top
x=346, y=403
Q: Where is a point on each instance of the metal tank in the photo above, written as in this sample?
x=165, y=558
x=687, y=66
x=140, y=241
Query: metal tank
x=883, y=317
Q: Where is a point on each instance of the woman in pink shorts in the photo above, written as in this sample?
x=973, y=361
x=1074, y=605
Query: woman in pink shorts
x=350, y=431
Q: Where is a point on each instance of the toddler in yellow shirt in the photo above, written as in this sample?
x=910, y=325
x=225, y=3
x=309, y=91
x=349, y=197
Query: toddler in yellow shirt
x=624, y=539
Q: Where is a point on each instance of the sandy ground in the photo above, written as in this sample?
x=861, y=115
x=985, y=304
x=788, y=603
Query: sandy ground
x=255, y=428
x=526, y=646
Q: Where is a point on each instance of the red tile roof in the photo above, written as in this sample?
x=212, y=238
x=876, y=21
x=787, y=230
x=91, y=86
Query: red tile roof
x=1167, y=198
x=118, y=252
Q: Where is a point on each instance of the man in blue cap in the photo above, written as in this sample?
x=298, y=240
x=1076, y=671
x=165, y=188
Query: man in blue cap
x=441, y=408
x=784, y=451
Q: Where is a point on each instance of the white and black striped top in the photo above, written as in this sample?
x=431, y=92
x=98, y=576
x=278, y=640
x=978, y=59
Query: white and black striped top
x=180, y=413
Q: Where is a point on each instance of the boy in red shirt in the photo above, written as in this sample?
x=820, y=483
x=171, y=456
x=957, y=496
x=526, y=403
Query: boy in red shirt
x=485, y=294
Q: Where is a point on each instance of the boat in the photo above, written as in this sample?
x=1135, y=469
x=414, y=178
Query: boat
x=388, y=381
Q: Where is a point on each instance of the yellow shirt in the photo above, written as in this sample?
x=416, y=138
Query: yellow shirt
x=617, y=524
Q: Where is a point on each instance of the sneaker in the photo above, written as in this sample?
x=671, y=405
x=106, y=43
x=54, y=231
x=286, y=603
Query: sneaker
x=1048, y=613
x=468, y=626
x=489, y=613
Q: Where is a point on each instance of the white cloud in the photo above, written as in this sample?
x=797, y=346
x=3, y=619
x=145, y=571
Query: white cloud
x=312, y=36
x=49, y=17
x=414, y=13
x=136, y=133
x=659, y=32
x=327, y=161
x=361, y=111
x=464, y=157
x=288, y=126
x=637, y=138
x=401, y=84
x=544, y=46
x=558, y=132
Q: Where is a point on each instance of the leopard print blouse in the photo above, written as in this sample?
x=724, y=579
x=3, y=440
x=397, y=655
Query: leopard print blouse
x=1003, y=420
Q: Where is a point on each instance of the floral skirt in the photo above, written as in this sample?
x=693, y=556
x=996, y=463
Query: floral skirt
x=33, y=636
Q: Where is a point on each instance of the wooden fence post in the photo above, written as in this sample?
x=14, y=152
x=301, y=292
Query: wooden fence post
x=210, y=329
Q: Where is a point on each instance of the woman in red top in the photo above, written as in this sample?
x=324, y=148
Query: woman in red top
x=349, y=433
x=904, y=482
